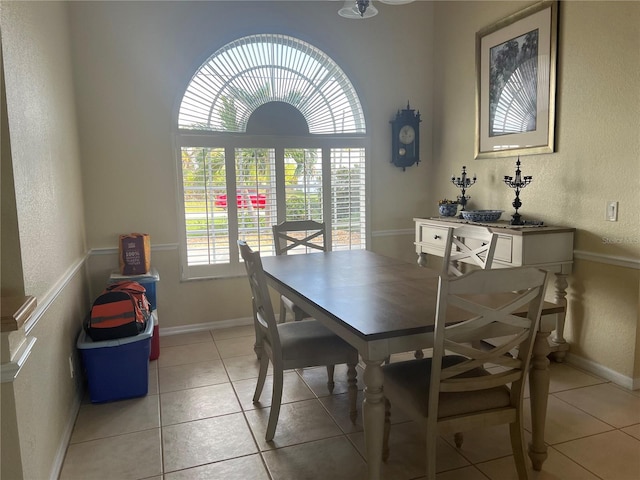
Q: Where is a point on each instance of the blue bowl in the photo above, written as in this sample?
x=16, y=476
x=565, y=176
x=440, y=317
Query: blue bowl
x=448, y=209
x=481, y=215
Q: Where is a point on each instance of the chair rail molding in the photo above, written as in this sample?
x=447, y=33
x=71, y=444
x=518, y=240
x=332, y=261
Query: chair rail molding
x=115, y=250
x=10, y=370
x=393, y=233
x=619, y=261
x=53, y=293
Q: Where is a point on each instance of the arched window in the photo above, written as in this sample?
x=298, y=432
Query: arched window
x=269, y=129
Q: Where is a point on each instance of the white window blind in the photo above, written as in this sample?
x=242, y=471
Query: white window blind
x=303, y=184
x=257, y=69
x=238, y=182
x=256, y=197
x=206, y=222
x=348, y=198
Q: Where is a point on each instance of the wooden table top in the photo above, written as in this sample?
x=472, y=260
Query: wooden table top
x=371, y=295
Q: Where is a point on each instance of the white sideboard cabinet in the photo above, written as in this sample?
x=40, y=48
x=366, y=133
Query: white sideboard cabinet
x=546, y=247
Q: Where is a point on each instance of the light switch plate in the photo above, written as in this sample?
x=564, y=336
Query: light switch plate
x=612, y=211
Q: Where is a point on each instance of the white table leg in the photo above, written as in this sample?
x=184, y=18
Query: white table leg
x=373, y=416
x=539, y=389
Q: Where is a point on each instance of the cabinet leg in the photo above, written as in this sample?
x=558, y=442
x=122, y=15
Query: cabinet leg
x=557, y=338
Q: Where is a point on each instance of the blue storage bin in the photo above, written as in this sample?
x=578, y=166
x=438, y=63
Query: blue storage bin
x=117, y=369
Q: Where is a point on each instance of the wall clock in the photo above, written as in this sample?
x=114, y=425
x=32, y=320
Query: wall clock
x=405, y=138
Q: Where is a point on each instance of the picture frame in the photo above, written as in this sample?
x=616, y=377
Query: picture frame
x=516, y=83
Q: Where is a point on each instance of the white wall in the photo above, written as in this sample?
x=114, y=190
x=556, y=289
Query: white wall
x=44, y=140
x=596, y=159
x=133, y=62
x=49, y=236
x=130, y=64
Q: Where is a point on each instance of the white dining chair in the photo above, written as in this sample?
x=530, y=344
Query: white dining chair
x=291, y=345
x=453, y=391
x=475, y=246
x=302, y=236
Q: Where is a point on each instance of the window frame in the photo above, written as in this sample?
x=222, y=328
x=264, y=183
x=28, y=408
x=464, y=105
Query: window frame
x=231, y=141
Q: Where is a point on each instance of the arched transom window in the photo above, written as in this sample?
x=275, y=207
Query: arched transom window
x=269, y=129
x=255, y=70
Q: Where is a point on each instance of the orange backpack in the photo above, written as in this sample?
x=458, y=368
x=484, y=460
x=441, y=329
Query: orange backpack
x=121, y=310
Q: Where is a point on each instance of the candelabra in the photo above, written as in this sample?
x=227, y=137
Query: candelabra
x=518, y=183
x=462, y=182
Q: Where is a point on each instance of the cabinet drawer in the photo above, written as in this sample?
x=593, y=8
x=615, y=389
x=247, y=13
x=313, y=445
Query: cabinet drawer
x=546, y=247
x=504, y=249
x=431, y=238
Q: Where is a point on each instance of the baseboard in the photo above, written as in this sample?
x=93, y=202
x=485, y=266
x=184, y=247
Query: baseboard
x=604, y=372
x=199, y=327
x=73, y=413
x=580, y=362
x=66, y=437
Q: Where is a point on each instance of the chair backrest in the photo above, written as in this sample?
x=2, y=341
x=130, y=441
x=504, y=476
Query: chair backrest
x=266, y=327
x=474, y=245
x=308, y=234
x=488, y=300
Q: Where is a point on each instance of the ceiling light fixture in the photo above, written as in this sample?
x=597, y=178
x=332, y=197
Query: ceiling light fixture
x=364, y=8
x=358, y=9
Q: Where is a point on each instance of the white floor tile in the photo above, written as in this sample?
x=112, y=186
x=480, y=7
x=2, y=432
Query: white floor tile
x=199, y=422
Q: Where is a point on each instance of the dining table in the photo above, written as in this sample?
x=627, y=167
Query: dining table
x=383, y=306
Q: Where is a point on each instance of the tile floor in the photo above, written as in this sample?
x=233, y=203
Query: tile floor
x=198, y=422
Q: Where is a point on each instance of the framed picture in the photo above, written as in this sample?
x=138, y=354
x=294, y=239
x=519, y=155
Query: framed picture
x=516, y=83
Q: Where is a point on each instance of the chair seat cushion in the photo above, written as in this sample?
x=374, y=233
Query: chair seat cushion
x=408, y=382
x=310, y=340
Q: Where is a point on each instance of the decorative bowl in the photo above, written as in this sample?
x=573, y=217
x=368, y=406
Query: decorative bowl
x=448, y=209
x=481, y=215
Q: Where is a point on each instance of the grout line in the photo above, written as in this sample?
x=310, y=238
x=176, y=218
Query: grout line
x=244, y=414
x=573, y=461
x=584, y=411
x=346, y=435
x=160, y=414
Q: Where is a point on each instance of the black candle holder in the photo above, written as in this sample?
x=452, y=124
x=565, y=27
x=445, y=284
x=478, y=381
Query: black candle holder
x=463, y=183
x=517, y=183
